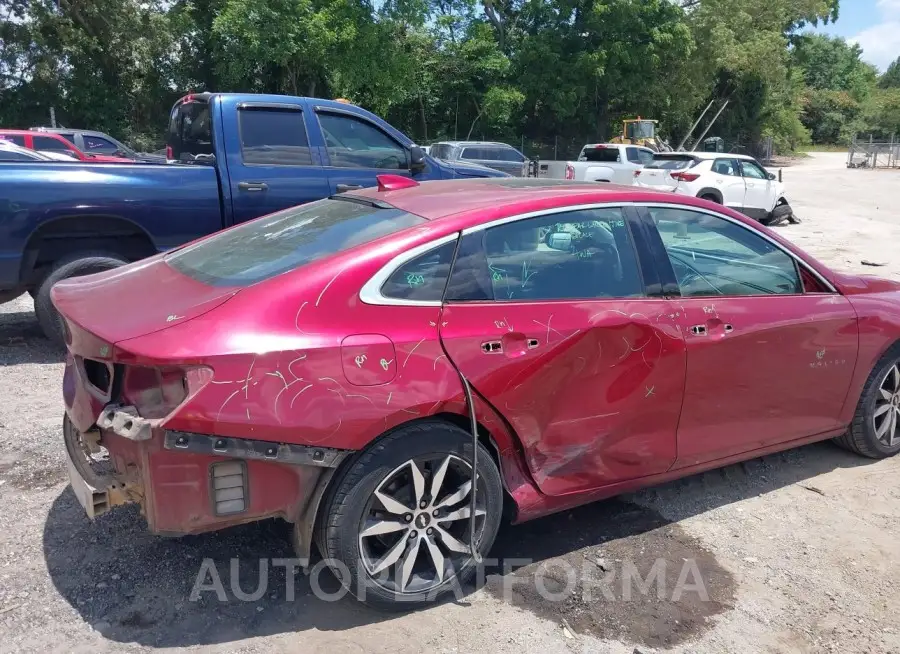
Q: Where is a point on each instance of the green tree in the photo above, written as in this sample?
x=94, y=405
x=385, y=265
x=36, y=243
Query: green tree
x=891, y=77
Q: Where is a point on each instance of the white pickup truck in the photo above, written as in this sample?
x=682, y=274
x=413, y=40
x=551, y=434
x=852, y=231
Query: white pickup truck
x=608, y=162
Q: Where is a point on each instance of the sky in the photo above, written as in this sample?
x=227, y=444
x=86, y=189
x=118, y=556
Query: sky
x=874, y=24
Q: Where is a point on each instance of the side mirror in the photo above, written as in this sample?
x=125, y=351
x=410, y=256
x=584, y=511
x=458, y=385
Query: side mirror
x=416, y=159
x=559, y=241
x=772, y=176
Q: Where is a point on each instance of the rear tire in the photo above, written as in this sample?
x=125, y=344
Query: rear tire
x=710, y=197
x=74, y=265
x=418, y=536
x=863, y=435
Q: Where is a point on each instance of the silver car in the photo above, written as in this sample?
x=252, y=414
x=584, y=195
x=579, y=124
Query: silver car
x=498, y=156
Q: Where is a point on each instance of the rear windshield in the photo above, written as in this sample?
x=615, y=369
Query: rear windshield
x=672, y=163
x=606, y=155
x=286, y=240
x=190, y=131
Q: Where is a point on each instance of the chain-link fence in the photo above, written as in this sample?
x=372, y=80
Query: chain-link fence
x=869, y=153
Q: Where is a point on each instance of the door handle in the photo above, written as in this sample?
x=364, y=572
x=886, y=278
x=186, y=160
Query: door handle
x=253, y=186
x=343, y=188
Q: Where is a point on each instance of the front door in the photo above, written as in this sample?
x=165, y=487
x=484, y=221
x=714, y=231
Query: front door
x=768, y=360
x=270, y=164
x=548, y=319
x=357, y=151
x=760, y=197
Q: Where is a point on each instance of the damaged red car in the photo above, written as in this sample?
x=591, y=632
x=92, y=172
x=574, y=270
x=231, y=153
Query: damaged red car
x=346, y=364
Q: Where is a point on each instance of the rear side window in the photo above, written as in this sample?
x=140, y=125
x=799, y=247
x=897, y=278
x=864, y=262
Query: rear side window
x=672, y=163
x=422, y=279
x=604, y=155
x=286, y=240
x=633, y=155
x=190, y=130
x=273, y=137
x=18, y=139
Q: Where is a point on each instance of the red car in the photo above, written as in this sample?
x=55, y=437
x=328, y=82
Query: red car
x=341, y=365
x=48, y=142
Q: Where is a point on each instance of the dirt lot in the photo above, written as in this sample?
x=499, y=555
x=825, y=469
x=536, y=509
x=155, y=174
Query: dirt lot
x=797, y=552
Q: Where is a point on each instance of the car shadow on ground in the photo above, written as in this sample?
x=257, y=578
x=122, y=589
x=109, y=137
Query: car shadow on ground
x=22, y=341
x=135, y=587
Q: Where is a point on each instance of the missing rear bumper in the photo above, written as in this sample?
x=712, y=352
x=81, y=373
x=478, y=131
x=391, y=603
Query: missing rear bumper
x=241, y=448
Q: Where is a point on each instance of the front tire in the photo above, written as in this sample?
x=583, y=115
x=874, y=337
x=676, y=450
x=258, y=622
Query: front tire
x=395, y=527
x=875, y=430
x=75, y=265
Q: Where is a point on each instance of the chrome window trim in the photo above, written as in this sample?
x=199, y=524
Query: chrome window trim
x=546, y=212
x=766, y=237
x=370, y=293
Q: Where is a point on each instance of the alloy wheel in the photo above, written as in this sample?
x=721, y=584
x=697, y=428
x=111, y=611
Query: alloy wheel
x=414, y=534
x=886, y=416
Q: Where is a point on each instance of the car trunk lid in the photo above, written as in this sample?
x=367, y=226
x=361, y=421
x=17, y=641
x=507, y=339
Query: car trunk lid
x=141, y=298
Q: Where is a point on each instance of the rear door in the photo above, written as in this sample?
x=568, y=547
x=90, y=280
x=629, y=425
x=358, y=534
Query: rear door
x=357, y=151
x=271, y=165
x=549, y=318
x=770, y=353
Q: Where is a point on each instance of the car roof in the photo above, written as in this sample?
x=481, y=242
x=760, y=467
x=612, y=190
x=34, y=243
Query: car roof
x=15, y=131
x=706, y=155
x=460, y=144
x=469, y=202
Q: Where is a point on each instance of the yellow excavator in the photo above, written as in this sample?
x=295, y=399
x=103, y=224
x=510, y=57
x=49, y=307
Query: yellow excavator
x=640, y=131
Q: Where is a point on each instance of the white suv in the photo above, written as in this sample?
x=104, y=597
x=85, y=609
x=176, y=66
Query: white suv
x=735, y=180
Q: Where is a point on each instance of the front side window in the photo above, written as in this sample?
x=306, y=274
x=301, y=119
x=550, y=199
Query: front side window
x=421, y=279
x=273, y=137
x=583, y=254
x=286, y=240
x=355, y=143
x=713, y=257
x=440, y=151
x=50, y=144
x=727, y=167
x=97, y=145
x=474, y=154
x=754, y=170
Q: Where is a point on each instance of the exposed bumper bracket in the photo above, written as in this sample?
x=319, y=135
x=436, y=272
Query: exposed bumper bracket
x=242, y=448
x=124, y=421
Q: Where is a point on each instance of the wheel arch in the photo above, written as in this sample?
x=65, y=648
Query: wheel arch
x=308, y=524
x=709, y=190
x=66, y=235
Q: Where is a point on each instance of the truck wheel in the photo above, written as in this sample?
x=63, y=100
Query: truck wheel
x=395, y=526
x=74, y=265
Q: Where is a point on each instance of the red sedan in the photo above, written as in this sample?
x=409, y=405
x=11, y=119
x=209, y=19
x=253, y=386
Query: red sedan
x=344, y=364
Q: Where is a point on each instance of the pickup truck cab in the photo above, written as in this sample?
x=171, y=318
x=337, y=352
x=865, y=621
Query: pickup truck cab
x=241, y=156
x=608, y=162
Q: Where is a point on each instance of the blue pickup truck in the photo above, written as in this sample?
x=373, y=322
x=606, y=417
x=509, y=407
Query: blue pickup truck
x=239, y=156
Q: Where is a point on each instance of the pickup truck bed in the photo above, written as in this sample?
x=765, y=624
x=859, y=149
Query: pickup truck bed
x=243, y=155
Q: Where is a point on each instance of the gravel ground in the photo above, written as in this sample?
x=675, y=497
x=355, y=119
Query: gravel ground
x=796, y=552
